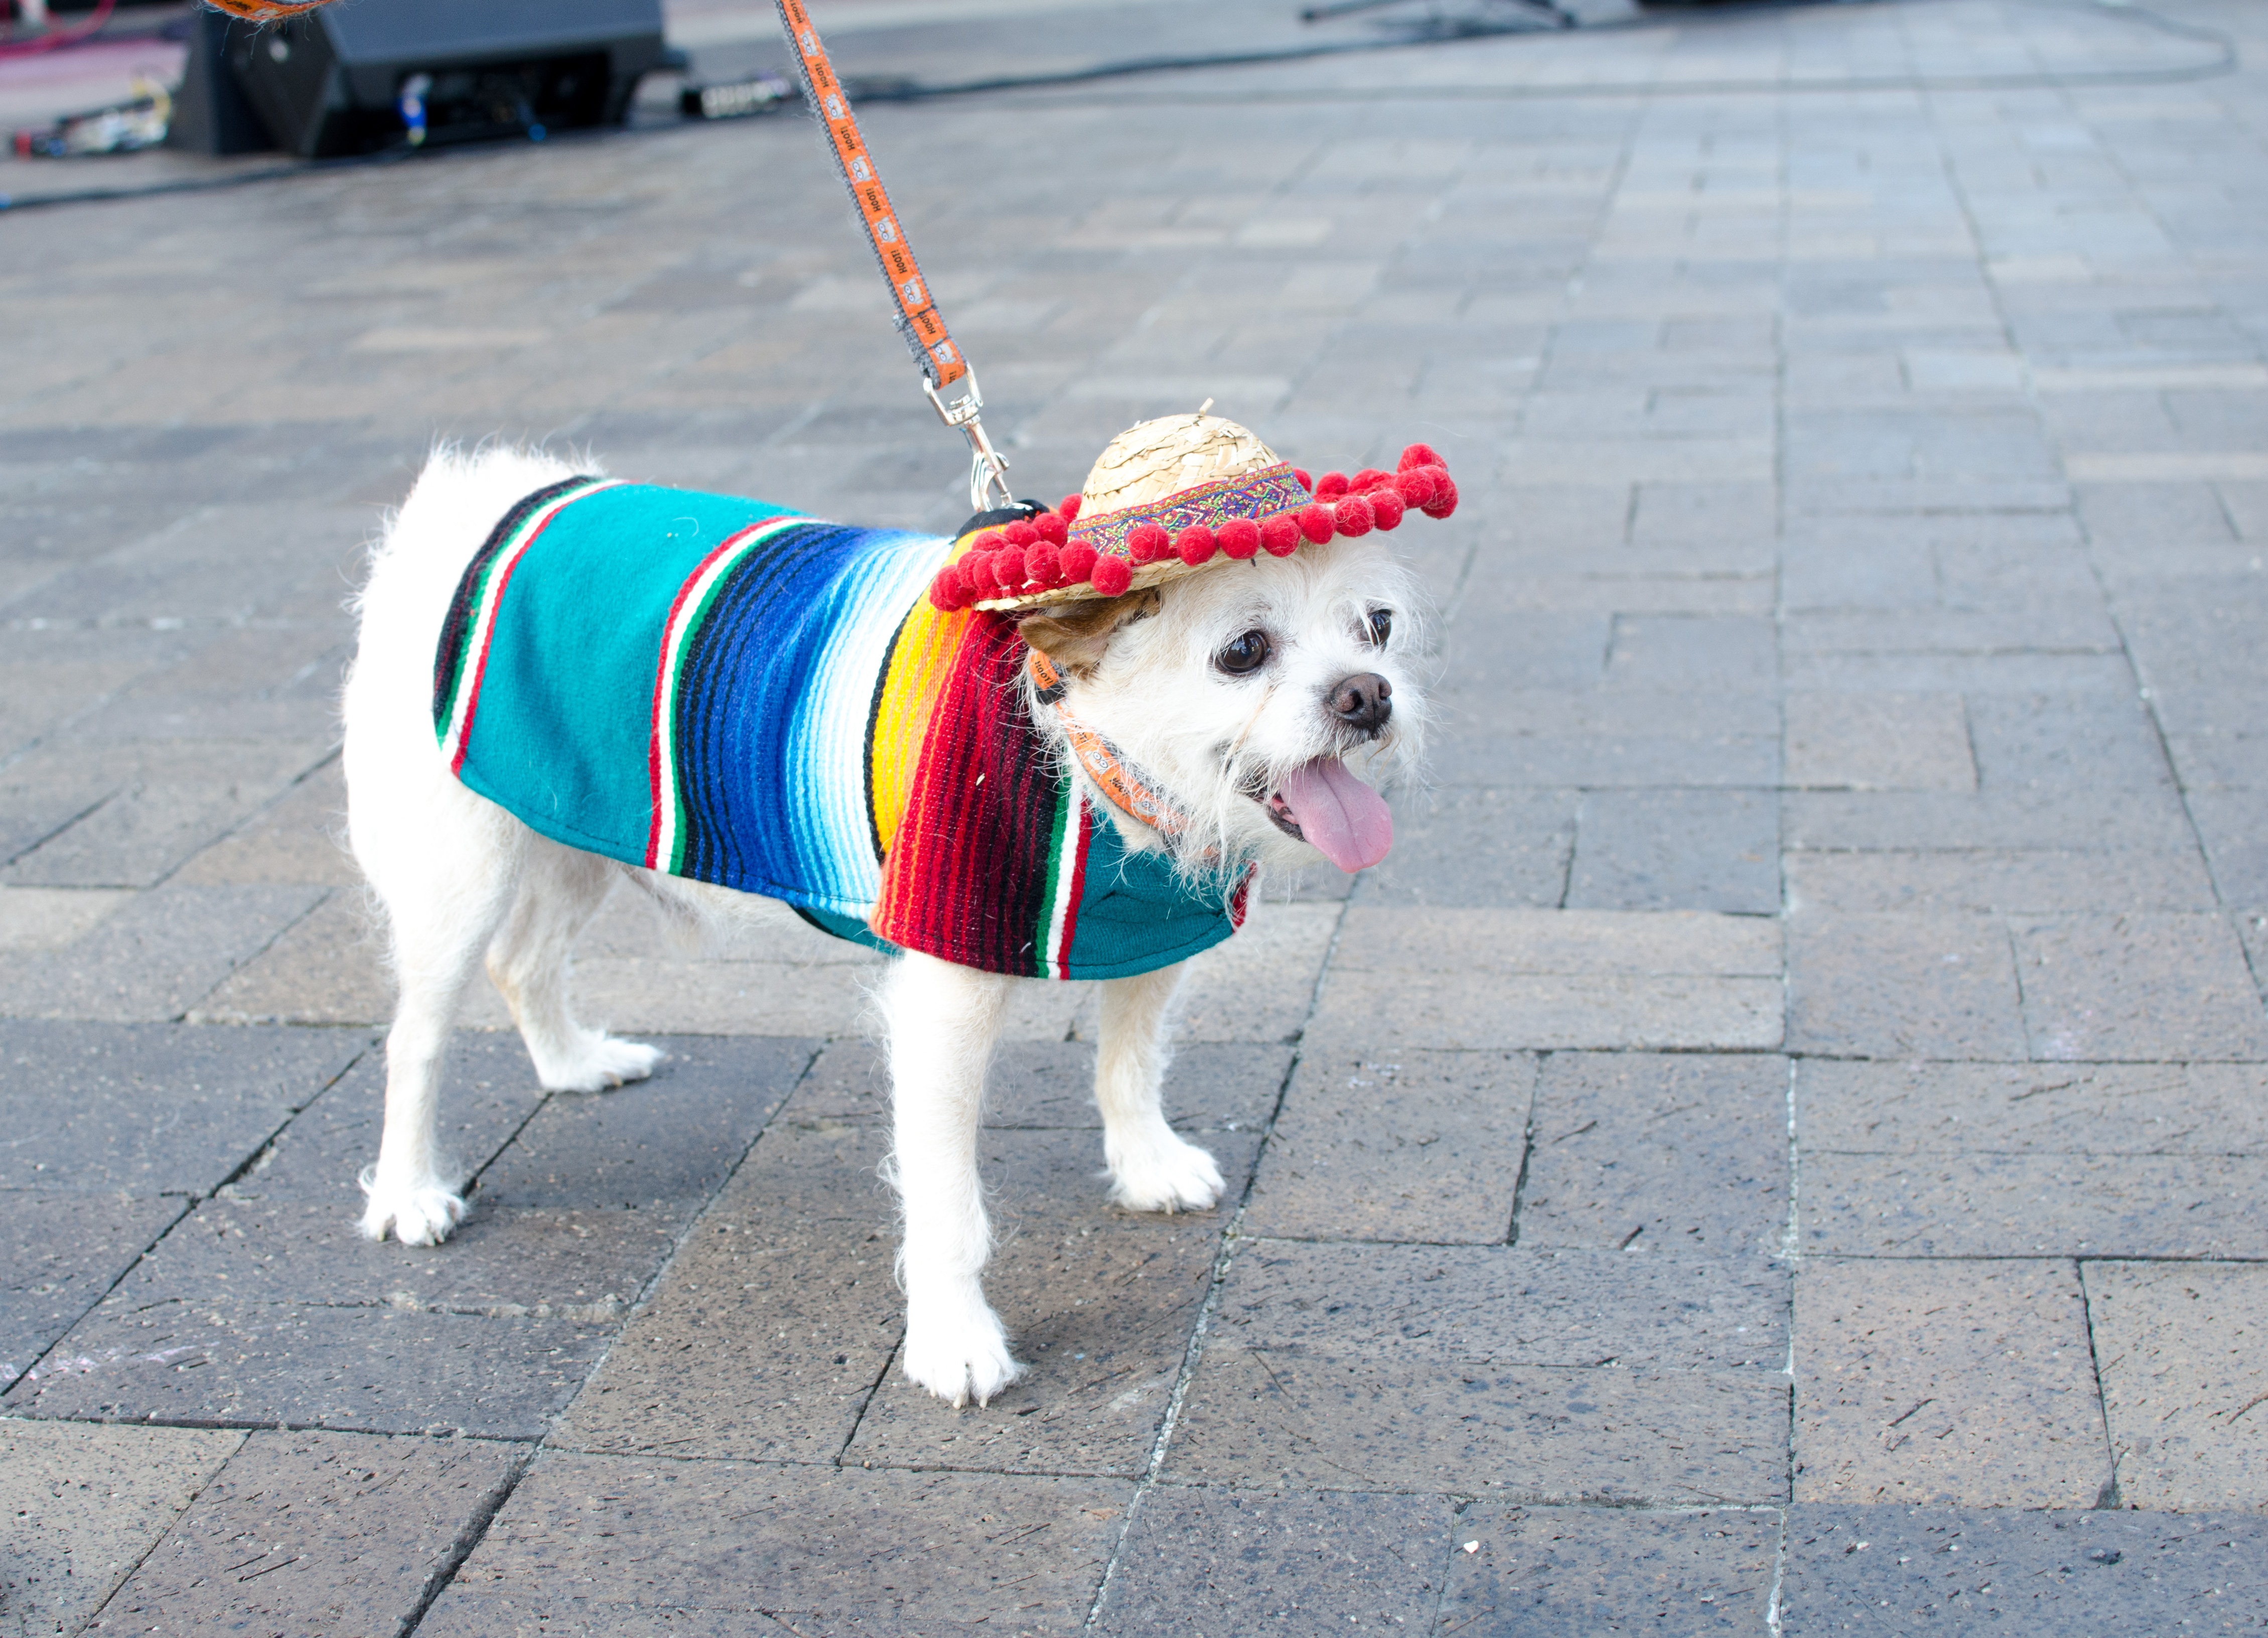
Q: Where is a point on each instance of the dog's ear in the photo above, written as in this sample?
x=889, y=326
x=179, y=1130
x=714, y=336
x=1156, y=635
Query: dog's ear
x=1074, y=635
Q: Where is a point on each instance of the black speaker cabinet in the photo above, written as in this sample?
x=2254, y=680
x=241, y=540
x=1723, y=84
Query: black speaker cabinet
x=331, y=81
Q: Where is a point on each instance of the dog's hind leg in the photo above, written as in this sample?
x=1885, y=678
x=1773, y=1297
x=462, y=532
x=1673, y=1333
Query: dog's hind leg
x=560, y=889
x=441, y=920
x=942, y=1021
x=1151, y=1168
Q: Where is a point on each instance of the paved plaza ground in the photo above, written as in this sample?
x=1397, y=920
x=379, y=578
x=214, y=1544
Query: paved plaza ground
x=1781, y=1147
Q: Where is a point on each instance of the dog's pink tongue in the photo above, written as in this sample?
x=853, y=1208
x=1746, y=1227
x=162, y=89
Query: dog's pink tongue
x=1339, y=813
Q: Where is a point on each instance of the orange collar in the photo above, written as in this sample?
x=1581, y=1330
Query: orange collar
x=1130, y=790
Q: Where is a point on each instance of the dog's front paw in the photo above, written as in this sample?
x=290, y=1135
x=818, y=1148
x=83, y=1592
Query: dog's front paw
x=416, y=1214
x=1167, y=1175
x=958, y=1352
x=598, y=1063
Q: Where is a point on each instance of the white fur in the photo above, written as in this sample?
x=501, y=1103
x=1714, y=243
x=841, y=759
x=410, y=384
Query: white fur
x=462, y=881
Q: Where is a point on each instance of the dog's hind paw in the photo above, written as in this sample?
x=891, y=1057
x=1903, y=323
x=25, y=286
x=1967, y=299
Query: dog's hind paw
x=597, y=1064
x=1182, y=1177
x=958, y=1357
x=420, y=1214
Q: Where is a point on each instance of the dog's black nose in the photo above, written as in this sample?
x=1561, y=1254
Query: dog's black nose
x=1364, y=701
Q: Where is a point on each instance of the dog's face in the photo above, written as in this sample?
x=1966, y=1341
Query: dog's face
x=1250, y=689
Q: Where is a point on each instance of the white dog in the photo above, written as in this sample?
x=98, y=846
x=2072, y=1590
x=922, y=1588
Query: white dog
x=1230, y=688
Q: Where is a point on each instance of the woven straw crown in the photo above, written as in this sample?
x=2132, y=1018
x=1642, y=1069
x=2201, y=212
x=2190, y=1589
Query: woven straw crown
x=1170, y=498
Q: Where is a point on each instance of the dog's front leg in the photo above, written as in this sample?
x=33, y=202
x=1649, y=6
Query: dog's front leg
x=1152, y=1168
x=942, y=1021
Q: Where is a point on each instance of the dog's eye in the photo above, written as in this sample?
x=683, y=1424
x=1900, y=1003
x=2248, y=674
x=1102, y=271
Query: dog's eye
x=1242, y=654
x=1381, y=626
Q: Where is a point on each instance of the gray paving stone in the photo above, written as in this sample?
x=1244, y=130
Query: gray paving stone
x=1999, y=881
x=1724, y=652
x=2016, y=821
x=2138, y=986
x=674, y=1137
x=2043, y=741
x=1209, y=1086
x=160, y=803
x=1213, y=1563
x=86, y=1504
x=2233, y=844
x=2178, y=1346
x=1427, y=1147
x=220, y=1360
x=2059, y=1574
x=488, y=1093
x=1506, y=1305
x=725, y=1546
x=317, y=1532
x=1946, y=1383
x=1930, y=985
x=2040, y=1109
x=1403, y=979
x=1677, y=850
x=771, y=1328
x=1322, y=1421
x=1875, y=742
x=1099, y=1304
x=153, y=1109
x=60, y=1253
x=1479, y=846
x=1631, y=1149
x=155, y=959
x=587, y=1264
x=2033, y=1205
x=1571, y=1572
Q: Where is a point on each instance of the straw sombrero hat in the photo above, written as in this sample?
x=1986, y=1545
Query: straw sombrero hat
x=1170, y=498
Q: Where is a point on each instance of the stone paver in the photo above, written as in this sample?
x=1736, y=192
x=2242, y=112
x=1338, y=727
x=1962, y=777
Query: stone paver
x=1818, y=978
x=2061, y=1574
x=1429, y=1147
x=1573, y=1571
x=2184, y=1382
x=85, y=1504
x=317, y=1532
x=1946, y=1383
x=1218, y=1563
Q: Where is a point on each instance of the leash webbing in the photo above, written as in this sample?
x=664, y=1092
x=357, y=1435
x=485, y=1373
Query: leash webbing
x=918, y=320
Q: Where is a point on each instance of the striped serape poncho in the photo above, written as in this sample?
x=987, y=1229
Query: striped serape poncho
x=718, y=688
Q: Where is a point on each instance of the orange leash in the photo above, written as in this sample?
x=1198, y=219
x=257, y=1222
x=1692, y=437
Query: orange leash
x=942, y=364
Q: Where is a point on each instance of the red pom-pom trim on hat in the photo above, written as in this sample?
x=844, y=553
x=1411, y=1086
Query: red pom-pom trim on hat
x=1078, y=562
x=1147, y=543
x=1419, y=455
x=1368, y=479
x=1020, y=533
x=977, y=574
x=948, y=591
x=1315, y=522
x=1305, y=481
x=1008, y=569
x=1045, y=567
x=1051, y=529
x=1195, y=545
x=1330, y=486
x=989, y=541
x=1353, y=516
x=1069, y=510
x=1280, y=533
x=1445, y=495
x=1112, y=576
x=1386, y=505
x=1414, y=485
x=1239, y=537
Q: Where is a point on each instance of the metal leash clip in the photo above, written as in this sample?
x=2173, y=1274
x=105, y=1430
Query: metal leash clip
x=988, y=468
